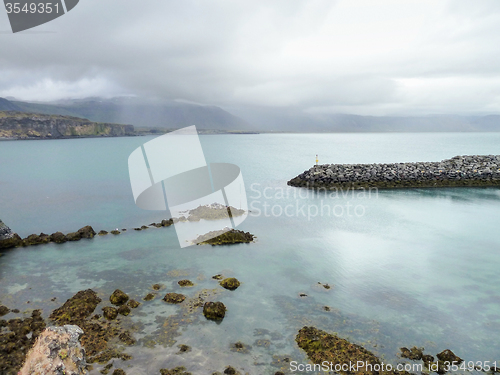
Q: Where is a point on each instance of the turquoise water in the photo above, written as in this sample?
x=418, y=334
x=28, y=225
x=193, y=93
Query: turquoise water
x=409, y=267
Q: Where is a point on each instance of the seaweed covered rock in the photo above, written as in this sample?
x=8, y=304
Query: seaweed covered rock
x=109, y=312
x=118, y=298
x=174, y=298
x=214, y=310
x=127, y=338
x=102, y=233
x=4, y=310
x=185, y=283
x=8, y=239
x=115, y=232
x=119, y=371
x=181, y=370
x=35, y=239
x=58, y=237
x=149, y=297
x=56, y=349
x=133, y=304
x=74, y=236
x=124, y=310
x=230, y=283
x=415, y=354
x=222, y=237
x=448, y=356
x=167, y=223
x=321, y=346
x=17, y=336
x=87, y=232
x=77, y=308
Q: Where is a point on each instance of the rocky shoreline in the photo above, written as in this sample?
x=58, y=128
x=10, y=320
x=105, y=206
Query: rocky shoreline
x=471, y=171
x=9, y=239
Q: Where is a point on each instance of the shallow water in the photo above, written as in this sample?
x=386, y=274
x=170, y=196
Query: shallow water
x=407, y=267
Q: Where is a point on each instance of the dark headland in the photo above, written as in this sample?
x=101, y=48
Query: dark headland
x=474, y=170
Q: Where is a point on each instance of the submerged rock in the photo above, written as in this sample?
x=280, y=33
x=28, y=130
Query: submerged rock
x=184, y=283
x=414, y=353
x=115, y=232
x=127, y=338
x=156, y=286
x=230, y=283
x=181, y=370
x=174, y=298
x=56, y=349
x=4, y=310
x=119, y=371
x=102, y=233
x=214, y=310
x=118, y=297
x=217, y=277
x=149, y=297
x=184, y=348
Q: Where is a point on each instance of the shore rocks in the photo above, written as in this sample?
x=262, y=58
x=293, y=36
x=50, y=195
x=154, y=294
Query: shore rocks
x=124, y=310
x=214, y=310
x=181, y=370
x=77, y=308
x=4, y=310
x=448, y=356
x=118, y=298
x=132, y=303
x=8, y=239
x=74, y=236
x=57, y=350
x=17, y=336
x=174, y=298
x=474, y=170
x=58, y=237
x=87, y=232
x=149, y=297
x=230, y=283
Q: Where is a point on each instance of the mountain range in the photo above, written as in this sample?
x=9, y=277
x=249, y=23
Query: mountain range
x=145, y=113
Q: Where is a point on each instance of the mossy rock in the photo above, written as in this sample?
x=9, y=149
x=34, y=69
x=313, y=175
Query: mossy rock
x=448, y=356
x=74, y=236
x=133, y=304
x=174, y=298
x=214, y=310
x=4, y=310
x=127, y=338
x=156, y=286
x=109, y=312
x=87, y=232
x=230, y=283
x=321, y=346
x=58, y=237
x=149, y=297
x=181, y=370
x=35, y=239
x=217, y=277
x=119, y=371
x=222, y=237
x=185, y=283
x=14, y=241
x=124, y=310
x=415, y=354
x=118, y=298
x=77, y=308
x=115, y=232
x=184, y=348
x=102, y=233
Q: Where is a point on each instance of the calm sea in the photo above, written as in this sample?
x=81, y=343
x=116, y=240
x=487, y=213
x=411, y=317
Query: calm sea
x=416, y=267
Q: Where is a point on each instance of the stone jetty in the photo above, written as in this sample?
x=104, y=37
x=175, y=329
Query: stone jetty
x=474, y=170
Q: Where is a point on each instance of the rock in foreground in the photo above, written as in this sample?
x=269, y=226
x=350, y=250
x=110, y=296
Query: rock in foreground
x=56, y=351
x=214, y=310
x=8, y=239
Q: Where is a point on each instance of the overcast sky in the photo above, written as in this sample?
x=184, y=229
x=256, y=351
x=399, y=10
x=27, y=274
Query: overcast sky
x=366, y=57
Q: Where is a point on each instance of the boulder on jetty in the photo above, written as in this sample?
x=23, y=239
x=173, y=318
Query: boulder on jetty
x=474, y=170
x=221, y=237
x=57, y=350
x=58, y=237
x=8, y=239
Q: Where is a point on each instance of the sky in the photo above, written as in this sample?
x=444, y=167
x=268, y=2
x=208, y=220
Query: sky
x=386, y=57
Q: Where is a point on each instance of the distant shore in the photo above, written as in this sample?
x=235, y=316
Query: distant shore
x=472, y=171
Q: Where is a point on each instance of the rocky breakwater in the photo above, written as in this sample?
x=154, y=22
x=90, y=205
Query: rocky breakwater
x=20, y=125
x=474, y=170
